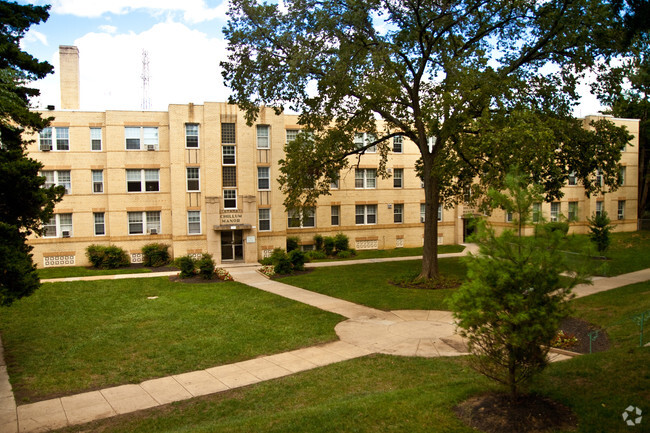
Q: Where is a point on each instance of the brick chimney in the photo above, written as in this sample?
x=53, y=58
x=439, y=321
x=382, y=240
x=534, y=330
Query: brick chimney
x=69, y=72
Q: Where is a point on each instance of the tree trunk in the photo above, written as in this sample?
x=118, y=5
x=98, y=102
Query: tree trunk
x=432, y=199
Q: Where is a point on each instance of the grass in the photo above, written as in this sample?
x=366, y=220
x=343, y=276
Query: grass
x=71, y=337
x=396, y=252
x=368, y=284
x=628, y=252
x=81, y=271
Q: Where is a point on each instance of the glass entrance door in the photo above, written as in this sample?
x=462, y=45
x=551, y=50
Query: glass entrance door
x=232, y=247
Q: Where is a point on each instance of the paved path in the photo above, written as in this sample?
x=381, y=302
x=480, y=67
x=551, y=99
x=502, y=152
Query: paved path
x=366, y=331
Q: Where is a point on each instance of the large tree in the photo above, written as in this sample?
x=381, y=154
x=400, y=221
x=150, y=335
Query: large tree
x=24, y=204
x=477, y=85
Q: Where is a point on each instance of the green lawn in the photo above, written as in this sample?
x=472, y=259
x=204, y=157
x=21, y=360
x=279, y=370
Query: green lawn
x=368, y=284
x=381, y=393
x=71, y=337
x=628, y=252
x=80, y=271
x=397, y=252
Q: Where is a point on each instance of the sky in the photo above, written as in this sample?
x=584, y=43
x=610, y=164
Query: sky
x=183, y=40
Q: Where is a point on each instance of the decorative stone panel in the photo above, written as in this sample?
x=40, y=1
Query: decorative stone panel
x=399, y=243
x=367, y=244
x=50, y=261
x=137, y=258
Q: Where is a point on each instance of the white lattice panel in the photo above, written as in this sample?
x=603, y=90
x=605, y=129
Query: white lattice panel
x=367, y=245
x=399, y=243
x=58, y=261
x=266, y=253
x=439, y=240
x=137, y=258
x=196, y=256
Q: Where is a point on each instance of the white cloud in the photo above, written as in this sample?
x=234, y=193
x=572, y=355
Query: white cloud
x=35, y=36
x=183, y=67
x=193, y=11
x=108, y=28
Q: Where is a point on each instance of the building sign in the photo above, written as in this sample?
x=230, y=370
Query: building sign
x=229, y=217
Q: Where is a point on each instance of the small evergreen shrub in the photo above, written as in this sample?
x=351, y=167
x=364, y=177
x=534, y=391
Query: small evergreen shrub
x=266, y=261
x=297, y=259
x=186, y=264
x=107, y=257
x=341, y=242
x=600, y=227
x=561, y=226
x=318, y=242
x=155, y=255
x=328, y=245
x=292, y=243
x=206, y=266
x=283, y=266
x=315, y=255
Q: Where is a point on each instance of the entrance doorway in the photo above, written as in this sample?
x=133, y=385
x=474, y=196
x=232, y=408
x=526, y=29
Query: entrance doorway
x=469, y=225
x=232, y=246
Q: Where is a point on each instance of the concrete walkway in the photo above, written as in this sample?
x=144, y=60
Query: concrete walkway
x=366, y=331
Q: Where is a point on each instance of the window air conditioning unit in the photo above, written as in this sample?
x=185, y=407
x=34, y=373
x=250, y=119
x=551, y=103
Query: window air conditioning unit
x=46, y=147
x=151, y=147
x=153, y=231
x=65, y=234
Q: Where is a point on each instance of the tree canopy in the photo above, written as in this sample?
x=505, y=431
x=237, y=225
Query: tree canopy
x=24, y=204
x=477, y=85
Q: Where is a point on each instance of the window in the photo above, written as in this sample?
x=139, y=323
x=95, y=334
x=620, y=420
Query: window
x=62, y=135
x=191, y=135
x=59, y=226
x=193, y=222
x=193, y=181
x=572, y=179
x=366, y=214
x=599, y=177
x=228, y=133
x=573, y=211
x=57, y=178
x=423, y=212
x=398, y=177
x=263, y=137
x=137, y=137
x=537, y=212
x=365, y=178
x=363, y=139
x=264, y=220
x=297, y=219
x=621, y=210
x=228, y=155
x=439, y=212
x=230, y=199
x=144, y=222
x=292, y=134
x=397, y=144
x=621, y=176
x=335, y=183
x=229, y=176
x=508, y=217
x=555, y=211
x=95, y=139
x=599, y=208
x=398, y=213
x=98, y=181
x=100, y=226
x=335, y=215
x=143, y=180
x=263, y=178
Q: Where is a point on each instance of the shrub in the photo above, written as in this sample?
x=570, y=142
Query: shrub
x=600, y=227
x=318, y=242
x=315, y=255
x=283, y=266
x=560, y=226
x=292, y=243
x=107, y=257
x=186, y=264
x=266, y=261
x=344, y=254
x=297, y=259
x=328, y=245
x=341, y=242
x=155, y=255
x=276, y=255
x=206, y=266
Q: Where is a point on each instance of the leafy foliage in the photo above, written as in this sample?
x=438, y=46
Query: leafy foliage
x=24, y=204
x=600, y=227
x=156, y=255
x=107, y=257
x=466, y=81
x=186, y=264
x=292, y=243
x=206, y=266
x=510, y=307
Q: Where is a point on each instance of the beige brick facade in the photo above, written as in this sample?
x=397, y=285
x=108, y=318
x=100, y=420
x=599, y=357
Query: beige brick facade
x=196, y=189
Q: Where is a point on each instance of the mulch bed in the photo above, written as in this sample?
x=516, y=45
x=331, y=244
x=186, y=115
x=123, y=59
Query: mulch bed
x=497, y=413
x=581, y=329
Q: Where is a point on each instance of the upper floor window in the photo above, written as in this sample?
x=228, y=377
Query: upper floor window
x=100, y=223
x=59, y=226
x=366, y=214
x=98, y=181
x=599, y=177
x=398, y=213
x=96, y=139
x=397, y=144
x=57, y=178
x=307, y=218
x=194, y=222
x=60, y=134
x=143, y=180
x=191, y=135
x=555, y=211
x=621, y=176
x=572, y=179
x=537, y=212
x=621, y=210
x=193, y=179
x=263, y=137
x=423, y=212
x=138, y=137
x=365, y=178
x=229, y=176
x=573, y=211
x=228, y=133
x=144, y=222
x=599, y=208
x=264, y=220
x=263, y=178
x=335, y=214
x=292, y=134
x=228, y=155
x=230, y=199
x=398, y=178
x=363, y=139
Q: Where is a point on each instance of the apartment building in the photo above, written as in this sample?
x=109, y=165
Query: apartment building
x=197, y=178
